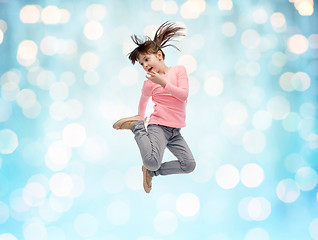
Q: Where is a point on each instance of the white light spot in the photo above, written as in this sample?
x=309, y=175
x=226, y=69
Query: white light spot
x=165, y=222
x=235, y=113
x=260, y=16
x=278, y=21
x=49, y=45
x=170, y=7
x=291, y=122
x=189, y=62
x=34, y=194
x=254, y=141
x=96, y=12
x=34, y=230
x=313, y=229
x=4, y=213
x=9, y=91
x=51, y=15
x=89, y=61
x=8, y=141
x=278, y=107
x=306, y=178
x=128, y=76
x=118, y=213
x=287, y=190
x=74, y=135
x=58, y=156
x=300, y=81
x=250, y=38
x=93, y=30
x=61, y=184
x=192, y=8
x=188, y=204
x=262, y=120
x=86, y=225
x=59, y=110
x=75, y=109
x=213, y=86
x=259, y=209
x=91, y=77
x=252, y=175
x=257, y=233
x=45, y=79
x=297, y=44
x=59, y=91
x=227, y=176
x=5, y=110
x=30, y=14
x=7, y=236
x=229, y=29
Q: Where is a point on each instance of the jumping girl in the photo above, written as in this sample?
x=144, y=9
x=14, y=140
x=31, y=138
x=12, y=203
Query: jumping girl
x=168, y=87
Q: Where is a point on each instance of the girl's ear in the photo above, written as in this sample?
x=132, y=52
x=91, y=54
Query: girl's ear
x=159, y=55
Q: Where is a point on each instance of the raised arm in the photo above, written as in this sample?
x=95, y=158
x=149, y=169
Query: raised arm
x=182, y=90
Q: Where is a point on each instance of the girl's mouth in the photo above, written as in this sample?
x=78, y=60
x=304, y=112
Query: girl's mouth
x=149, y=70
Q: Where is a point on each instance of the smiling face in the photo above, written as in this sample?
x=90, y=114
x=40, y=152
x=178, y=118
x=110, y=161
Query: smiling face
x=150, y=61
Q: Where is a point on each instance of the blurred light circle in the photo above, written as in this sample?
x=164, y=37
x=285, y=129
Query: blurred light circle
x=225, y=4
x=243, y=208
x=68, y=47
x=170, y=7
x=157, y=5
x=35, y=230
x=259, y=209
x=51, y=15
x=118, y=213
x=305, y=8
x=165, y=222
x=34, y=194
x=96, y=12
x=17, y=204
x=3, y=26
x=8, y=141
x=91, y=77
x=93, y=30
x=33, y=111
x=313, y=229
x=89, y=61
x=9, y=91
x=278, y=107
x=12, y=76
x=227, y=176
x=278, y=21
x=306, y=127
x=47, y=213
x=55, y=233
x=27, y=50
x=313, y=41
x=279, y=59
x=213, y=86
x=253, y=69
x=250, y=38
x=59, y=91
x=128, y=76
x=197, y=41
x=235, y=113
x=254, y=141
x=4, y=213
x=285, y=81
x=74, y=134
x=30, y=14
x=64, y=16
x=205, y=168
x=68, y=78
x=75, y=109
x=45, y=79
x=257, y=233
x=166, y=202
x=253, y=54
x=1, y=36
x=7, y=236
x=287, y=190
x=294, y=161
x=95, y=149
x=26, y=98
x=291, y=122
x=307, y=110
x=297, y=44
x=113, y=182
x=306, y=178
x=61, y=184
x=228, y=29
x=192, y=8
x=78, y=186
x=49, y=45
x=5, y=110
x=59, y=110
x=188, y=204
x=300, y=81
x=58, y=156
x=262, y=120
x=252, y=175
x=133, y=178
x=85, y=225
x=189, y=62
x=260, y=16
x=194, y=85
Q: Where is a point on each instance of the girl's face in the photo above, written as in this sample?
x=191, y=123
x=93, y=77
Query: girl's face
x=150, y=61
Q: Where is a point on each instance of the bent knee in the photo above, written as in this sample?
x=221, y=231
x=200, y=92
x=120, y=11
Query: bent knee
x=151, y=164
x=189, y=166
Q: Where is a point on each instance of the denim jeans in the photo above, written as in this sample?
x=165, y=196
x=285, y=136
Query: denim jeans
x=152, y=144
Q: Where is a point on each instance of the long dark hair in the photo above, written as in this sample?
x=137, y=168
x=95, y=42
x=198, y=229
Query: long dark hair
x=166, y=32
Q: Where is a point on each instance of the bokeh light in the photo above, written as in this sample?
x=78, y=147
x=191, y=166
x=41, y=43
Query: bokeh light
x=251, y=121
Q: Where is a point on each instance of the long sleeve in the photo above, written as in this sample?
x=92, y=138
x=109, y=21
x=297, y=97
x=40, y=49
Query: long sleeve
x=145, y=95
x=182, y=90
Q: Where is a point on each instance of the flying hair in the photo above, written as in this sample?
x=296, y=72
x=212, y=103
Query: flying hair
x=167, y=32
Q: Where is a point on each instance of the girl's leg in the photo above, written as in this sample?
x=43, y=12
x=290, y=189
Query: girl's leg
x=152, y=143
x=178, y=147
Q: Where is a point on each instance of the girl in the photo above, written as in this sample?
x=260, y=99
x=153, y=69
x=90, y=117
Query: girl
x=168, y=87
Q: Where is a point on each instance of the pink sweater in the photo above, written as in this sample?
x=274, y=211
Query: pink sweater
x=169, y=102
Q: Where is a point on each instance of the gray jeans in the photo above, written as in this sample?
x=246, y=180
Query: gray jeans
x=152, y=143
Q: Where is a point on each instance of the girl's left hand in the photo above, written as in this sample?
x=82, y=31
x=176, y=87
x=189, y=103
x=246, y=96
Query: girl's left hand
x=156, y=78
